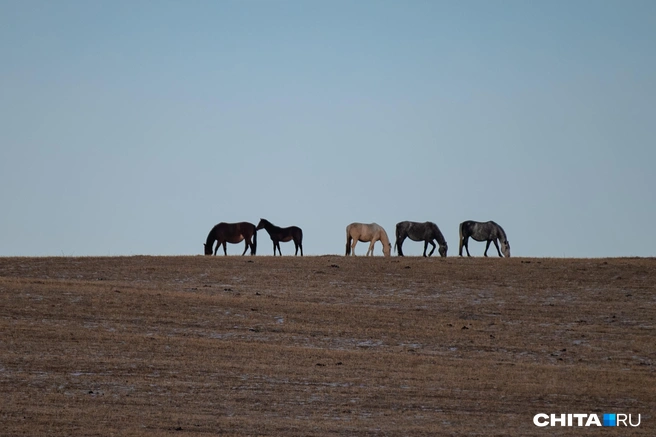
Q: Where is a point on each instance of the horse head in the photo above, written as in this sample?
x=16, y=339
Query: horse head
x=387, y=249
x=208, y=249
x=442, y=250
x=261, y=224
x=505, y=248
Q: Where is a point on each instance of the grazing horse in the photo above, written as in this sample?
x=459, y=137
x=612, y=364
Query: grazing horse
x=488, y=231
x=366, y=232
x=426, y=232
x=282, y=234
x=231, y=233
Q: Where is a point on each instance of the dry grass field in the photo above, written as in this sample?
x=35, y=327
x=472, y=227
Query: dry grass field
x=327, y=345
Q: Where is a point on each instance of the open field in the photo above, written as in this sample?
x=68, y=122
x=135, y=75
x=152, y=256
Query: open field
x=316, y=346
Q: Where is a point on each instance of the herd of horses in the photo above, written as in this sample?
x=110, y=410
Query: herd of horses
x=428, y=232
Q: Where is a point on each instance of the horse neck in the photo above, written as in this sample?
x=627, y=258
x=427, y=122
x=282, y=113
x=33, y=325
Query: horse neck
x=269, y=227
x=210, y=237
x=501, y=233
x=387, y=249
x=383, y=237
x=439, y=237
x=438, y=234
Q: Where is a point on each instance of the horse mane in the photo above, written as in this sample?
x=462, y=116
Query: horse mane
x=387, y=247
x=210, y=237
x=383, y=236
x=501, y=231
x=254, y=240
x=438, y=235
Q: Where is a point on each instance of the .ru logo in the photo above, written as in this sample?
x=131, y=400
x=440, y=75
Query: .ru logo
x=610, y=420
x=582, y=419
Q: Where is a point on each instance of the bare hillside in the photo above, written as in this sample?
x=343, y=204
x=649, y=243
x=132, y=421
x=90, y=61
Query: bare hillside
x=318, y=346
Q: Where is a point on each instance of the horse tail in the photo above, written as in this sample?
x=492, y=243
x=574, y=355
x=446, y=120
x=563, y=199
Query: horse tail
x=398, y=233
x=254, y=240
x=460, y=232
x=348, y=242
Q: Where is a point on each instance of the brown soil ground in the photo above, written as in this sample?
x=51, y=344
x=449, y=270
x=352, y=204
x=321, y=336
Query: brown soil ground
x=328, y=345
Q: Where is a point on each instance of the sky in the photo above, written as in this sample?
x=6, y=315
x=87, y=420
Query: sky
x=133, y=127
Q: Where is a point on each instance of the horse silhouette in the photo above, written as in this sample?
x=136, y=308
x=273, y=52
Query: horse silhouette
x=488, y=231
x=278, y=234
x=426, y=232
x=366, y=232
x=232, y=233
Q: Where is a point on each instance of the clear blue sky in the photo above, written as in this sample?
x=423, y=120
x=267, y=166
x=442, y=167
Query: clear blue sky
x=132, y=127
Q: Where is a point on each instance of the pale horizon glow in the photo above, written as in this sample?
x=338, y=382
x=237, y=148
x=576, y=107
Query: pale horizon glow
x=132, y=128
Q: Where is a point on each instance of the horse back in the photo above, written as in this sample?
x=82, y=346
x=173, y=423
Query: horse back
x=362, y=231
x=402, y=228
x=234, y=232
x=286, y=234
x=354, y=229
x=481, y=231
x=246, y=228
x=467, y=228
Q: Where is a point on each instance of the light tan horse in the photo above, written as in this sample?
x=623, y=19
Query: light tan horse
x=366, y=232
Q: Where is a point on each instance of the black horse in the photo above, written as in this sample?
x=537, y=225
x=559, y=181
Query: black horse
x=488, y=231
x=426, y=232
x=282, y=234
x=231, y=233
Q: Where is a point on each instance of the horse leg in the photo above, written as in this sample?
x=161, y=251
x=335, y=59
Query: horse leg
x=274, y=246
x=352, y=251
x=225, y=248
x=278, y=246
x=245, y=246
x=497, y=246
x=370, y=252
x=432, y=250
x=487, y=245
x=399, y=245
x=425, y=247
x=464, y=243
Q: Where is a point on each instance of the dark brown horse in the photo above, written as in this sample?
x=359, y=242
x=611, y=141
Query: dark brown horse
x=278, y=234
x=231, y=233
